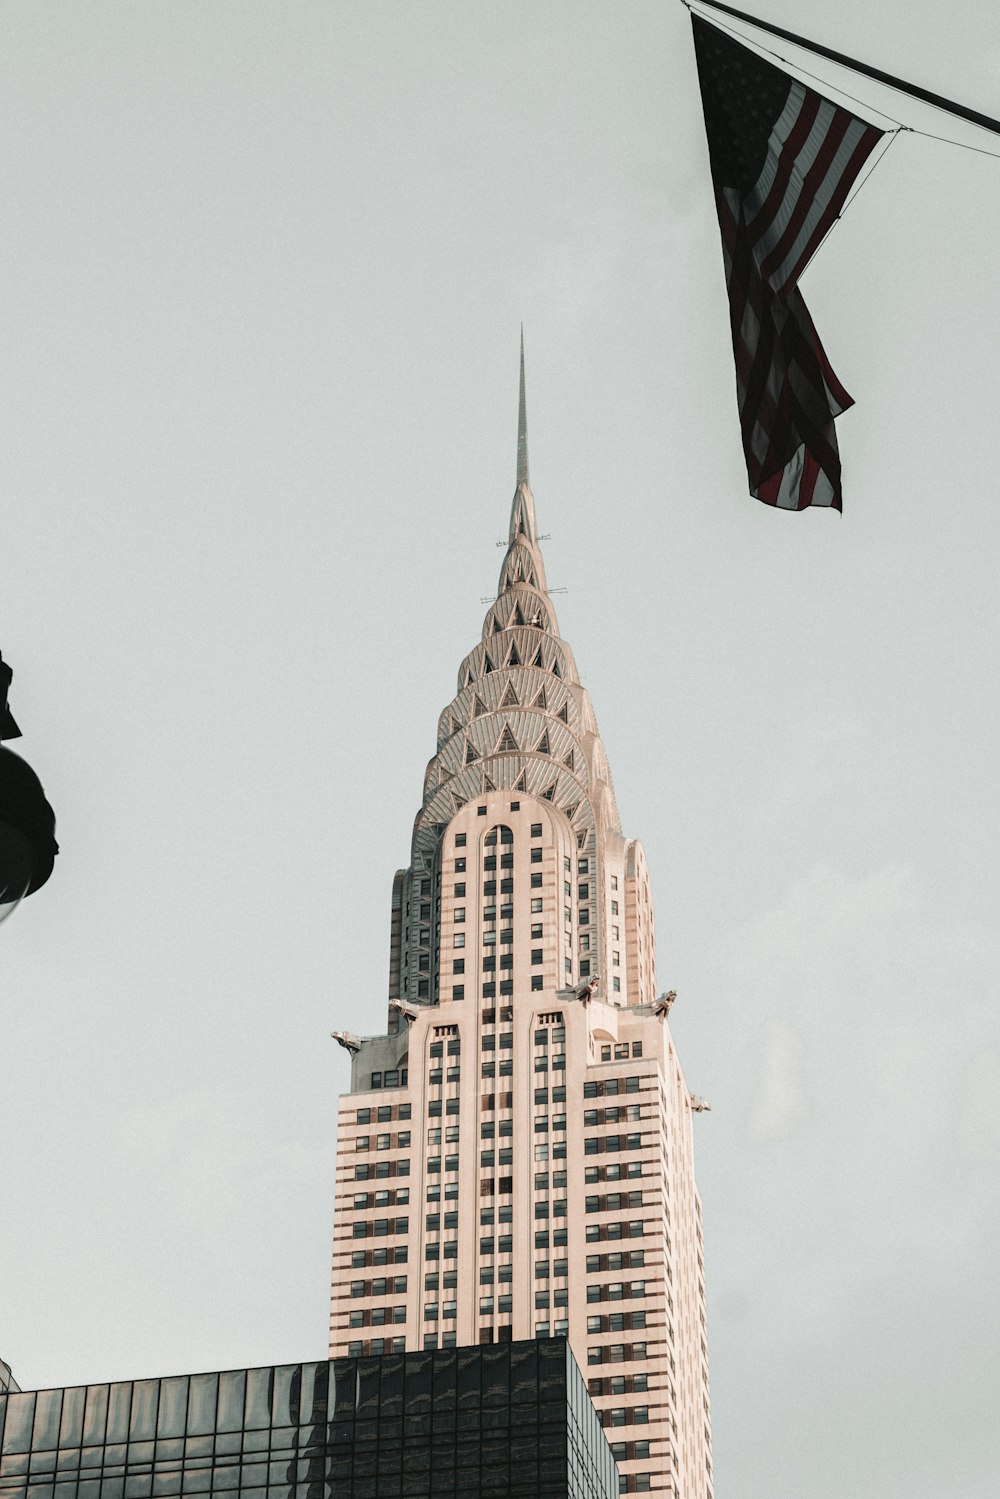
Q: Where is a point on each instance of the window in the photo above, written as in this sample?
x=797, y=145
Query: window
x=536, y=882
x=583, y=867
x=536, y=955
x=536, y=830
x=459, y=869
x=460, y=890
x=364, y=1116
x=614, y=908
x=459, y=840
x=614, y=882
x=536, y=903
x=584, y=892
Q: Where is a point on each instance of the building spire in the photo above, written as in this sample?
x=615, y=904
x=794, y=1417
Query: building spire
x=522, y=511
x=522, y=425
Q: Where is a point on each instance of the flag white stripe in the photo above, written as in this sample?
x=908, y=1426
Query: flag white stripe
x=783, y=127
x=791, y=478
x=801, y=163
x=820, y=202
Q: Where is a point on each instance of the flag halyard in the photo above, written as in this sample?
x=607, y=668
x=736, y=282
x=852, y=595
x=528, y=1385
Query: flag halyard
x=783, y=162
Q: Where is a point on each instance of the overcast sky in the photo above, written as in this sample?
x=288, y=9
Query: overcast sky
x=262, y=267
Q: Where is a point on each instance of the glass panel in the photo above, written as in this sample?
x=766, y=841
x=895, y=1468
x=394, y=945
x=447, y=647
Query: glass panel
x=281, y=1393
x=524, y=1375
x=445, y=1382
x=232, y=1386
x=71, y=1428
x=145, y=1395
x=496, y=1376
x=468, y=1379
x=419, y=1369
x=300, y=1408
x=17, y=1428
x=391, y=1395
x=203, y=1393
x=367, y=1394
x=319, y=1393
x=47, y=1412
x=119, y=1396
x=173, y=1407
x=258, y=1399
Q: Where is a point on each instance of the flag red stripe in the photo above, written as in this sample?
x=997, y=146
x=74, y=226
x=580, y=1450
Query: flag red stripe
x=811, y=183
x=831, y=213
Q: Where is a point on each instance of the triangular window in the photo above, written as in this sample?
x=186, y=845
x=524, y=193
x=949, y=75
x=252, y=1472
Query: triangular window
x=509, y=697
x=497, y=626
x=522, y=784
x=507, y=741
x=540, y=699
x=489, y=664
x=518, y=616
x=468, y=679
x=488, y=784
x=542, y=747
x=571, y=811
x=478, y=707
x=564, y=712
x=569, y=761
x=459, y=803
x=470, y=754
x=555, y=668
x=550, y=795
x=455, y=726
x=537, y=661
x=513, y=659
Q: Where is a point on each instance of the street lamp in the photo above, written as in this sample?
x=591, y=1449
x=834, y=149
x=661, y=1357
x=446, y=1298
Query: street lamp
x=27, y=823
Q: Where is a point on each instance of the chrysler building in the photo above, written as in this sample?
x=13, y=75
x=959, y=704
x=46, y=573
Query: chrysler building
x=515, y=1153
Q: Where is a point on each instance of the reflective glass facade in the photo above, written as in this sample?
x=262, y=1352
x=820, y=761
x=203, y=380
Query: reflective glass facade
x=513, y=1419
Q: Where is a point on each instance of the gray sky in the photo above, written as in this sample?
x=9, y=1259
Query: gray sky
x=262, y=271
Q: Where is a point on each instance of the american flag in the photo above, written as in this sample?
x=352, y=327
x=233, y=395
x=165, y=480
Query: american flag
x=783, y=161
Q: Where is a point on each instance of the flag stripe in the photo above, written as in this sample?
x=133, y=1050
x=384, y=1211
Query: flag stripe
x=835, y=170
x=800, y=218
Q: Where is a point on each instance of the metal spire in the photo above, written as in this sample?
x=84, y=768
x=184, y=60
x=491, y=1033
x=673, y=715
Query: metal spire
x=522, y=425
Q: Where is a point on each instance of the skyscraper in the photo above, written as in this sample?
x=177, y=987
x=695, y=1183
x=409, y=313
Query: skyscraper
x=515, y=1153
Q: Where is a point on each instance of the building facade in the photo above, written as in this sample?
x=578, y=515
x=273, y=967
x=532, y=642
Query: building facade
x=512, y=1422
x=515, y=1153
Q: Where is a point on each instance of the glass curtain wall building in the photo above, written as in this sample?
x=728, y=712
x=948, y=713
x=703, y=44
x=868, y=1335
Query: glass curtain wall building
x=508, y=1421
x=515, y=1154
